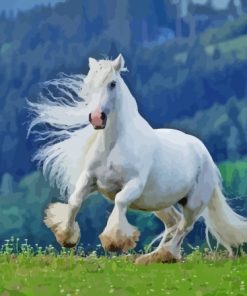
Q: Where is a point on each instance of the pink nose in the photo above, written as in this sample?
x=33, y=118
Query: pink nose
x=97, y=119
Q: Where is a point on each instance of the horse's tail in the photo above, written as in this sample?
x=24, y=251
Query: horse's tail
x=229, y=228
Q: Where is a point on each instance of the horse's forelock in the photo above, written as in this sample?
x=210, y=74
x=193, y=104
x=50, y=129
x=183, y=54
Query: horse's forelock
x=100, y=74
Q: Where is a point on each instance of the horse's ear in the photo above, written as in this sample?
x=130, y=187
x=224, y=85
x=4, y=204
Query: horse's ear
x=118, y=63
x=92, y=62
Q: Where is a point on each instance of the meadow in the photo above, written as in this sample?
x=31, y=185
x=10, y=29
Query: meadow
x=26, y=270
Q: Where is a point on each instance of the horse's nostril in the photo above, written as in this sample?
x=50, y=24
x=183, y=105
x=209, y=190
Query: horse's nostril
x=98, y=119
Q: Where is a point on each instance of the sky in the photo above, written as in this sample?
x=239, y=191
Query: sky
x=16, y=5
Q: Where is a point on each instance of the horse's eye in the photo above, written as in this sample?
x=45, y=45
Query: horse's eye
x=112, y=84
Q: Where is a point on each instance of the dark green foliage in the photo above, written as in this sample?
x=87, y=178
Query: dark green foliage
x=222, y=128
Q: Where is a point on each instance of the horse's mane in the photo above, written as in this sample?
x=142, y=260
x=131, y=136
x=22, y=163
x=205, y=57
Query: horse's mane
x=60, y=118
x=60, y=122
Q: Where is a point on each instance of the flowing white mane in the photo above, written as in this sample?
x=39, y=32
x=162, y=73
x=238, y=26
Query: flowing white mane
x=61, y=123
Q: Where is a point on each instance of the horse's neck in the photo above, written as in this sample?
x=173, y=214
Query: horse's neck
x=115, y=128
x=132, y=117
x=121, y=120
x=108, y=137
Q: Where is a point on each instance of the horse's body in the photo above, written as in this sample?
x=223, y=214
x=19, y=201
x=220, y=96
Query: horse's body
x=136, y=167
x=170, y=174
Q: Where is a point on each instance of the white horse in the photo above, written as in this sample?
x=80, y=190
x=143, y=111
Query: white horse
x=101, y=142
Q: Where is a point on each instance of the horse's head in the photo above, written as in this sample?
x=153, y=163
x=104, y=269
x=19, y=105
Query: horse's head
x=102, y=83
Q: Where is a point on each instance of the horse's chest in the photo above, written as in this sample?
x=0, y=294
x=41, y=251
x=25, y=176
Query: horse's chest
x=110, y=178
x=108, y=173
x=112, y=171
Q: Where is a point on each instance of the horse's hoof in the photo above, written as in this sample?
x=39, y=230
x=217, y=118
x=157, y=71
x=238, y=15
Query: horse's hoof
x=69, y=245
x=116, y=240
x=159, y=256
x=55, y=218
x=68, y=238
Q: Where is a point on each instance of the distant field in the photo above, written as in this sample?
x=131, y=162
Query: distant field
x=70, y=275
x=237, y=46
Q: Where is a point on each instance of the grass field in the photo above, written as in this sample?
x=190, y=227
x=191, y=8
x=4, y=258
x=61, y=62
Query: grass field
x=50, y=273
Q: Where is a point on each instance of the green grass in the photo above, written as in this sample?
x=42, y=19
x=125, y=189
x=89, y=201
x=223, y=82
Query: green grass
x=37, y=271
x=71, y=275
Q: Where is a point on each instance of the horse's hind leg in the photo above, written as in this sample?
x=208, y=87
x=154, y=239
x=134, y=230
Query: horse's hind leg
x=169, y=251
x=171, y=218
x=192, y=207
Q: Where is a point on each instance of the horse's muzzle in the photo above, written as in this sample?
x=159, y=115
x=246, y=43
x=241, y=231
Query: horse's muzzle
x=98, y=120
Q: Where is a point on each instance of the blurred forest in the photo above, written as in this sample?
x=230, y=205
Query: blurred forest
x=187, y=69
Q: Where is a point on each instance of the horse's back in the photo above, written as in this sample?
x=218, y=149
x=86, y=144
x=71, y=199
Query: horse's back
x=177, y=151
x=174, y=135
x=181, y=141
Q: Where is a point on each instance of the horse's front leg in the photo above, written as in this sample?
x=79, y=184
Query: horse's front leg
x=118, y=233
x=60, y=217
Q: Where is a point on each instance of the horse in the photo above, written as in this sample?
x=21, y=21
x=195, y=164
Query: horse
x=98, y=141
